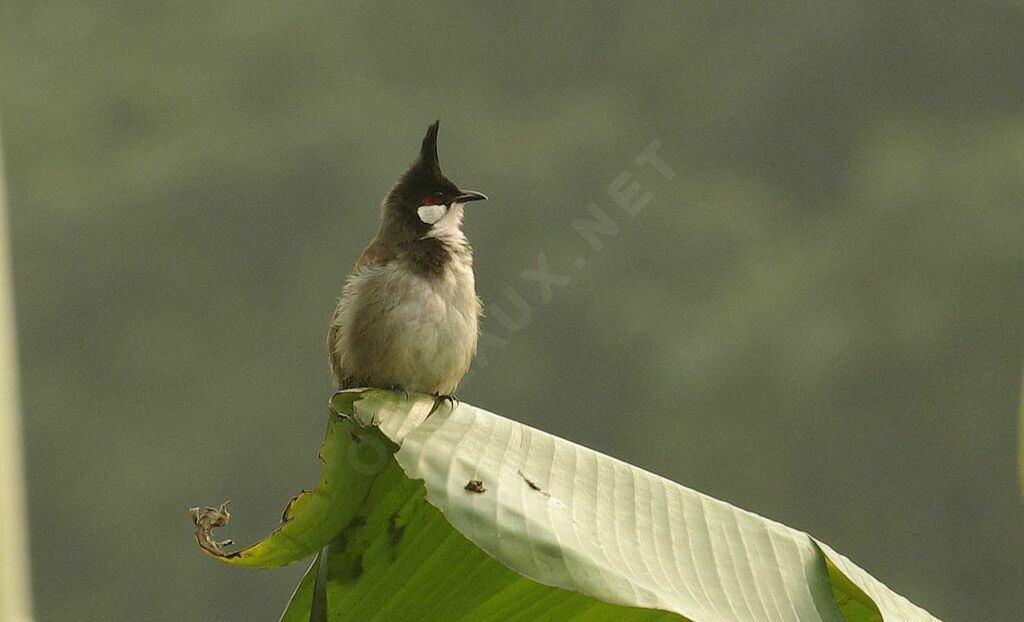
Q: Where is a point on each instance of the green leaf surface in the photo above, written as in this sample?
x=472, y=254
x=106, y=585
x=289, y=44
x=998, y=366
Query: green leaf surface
x=302, y=599
x=313, y=518
x=465, y=515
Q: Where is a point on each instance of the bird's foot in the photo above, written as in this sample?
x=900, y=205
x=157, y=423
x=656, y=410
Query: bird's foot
x=453, y=402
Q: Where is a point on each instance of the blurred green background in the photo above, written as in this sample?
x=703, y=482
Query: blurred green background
x=817, y=318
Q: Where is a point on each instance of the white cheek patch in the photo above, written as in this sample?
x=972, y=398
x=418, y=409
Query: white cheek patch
x=431, y=213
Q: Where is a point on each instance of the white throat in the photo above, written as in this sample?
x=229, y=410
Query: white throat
x=448, y=226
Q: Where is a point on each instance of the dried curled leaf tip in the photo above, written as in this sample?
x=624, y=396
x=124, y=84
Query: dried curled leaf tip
x=206, y=521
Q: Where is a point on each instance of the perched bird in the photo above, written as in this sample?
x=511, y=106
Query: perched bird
x=408, y=315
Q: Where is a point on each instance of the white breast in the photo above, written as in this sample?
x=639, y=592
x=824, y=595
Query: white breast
x=435, y=326
x=421, y=333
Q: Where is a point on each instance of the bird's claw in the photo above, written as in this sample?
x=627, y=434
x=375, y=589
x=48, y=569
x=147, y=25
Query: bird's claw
x=452, y=401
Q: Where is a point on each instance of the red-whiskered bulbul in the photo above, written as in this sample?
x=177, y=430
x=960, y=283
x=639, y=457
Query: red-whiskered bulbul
x=408, y=315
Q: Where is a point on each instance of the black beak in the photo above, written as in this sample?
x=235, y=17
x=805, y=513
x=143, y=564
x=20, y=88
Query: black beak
x=469, y=195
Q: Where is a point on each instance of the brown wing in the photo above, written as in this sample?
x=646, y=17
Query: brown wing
x=332, y=334
x=375, y=253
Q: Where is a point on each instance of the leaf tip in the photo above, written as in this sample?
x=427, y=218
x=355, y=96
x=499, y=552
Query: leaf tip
x=205, y=522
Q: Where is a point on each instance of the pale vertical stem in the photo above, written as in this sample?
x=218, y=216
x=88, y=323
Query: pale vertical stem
x=15, y=590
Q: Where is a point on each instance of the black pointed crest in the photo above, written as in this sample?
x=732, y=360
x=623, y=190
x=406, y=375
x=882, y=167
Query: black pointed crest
x=428, y=151
x=423, y=177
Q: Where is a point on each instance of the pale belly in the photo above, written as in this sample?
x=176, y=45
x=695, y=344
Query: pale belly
x=434, y=335
x=415, y=333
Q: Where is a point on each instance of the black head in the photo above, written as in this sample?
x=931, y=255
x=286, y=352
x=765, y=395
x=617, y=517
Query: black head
x=423, y=185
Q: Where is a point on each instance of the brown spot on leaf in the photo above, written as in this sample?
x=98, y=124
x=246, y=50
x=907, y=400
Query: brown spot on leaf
x=532, y=484
x=287, y=514
x=475, y=485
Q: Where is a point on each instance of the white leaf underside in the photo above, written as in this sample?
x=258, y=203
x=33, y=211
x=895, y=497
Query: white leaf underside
x=564, y=515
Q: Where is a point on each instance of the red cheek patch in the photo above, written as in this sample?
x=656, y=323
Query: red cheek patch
x=430, y=199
